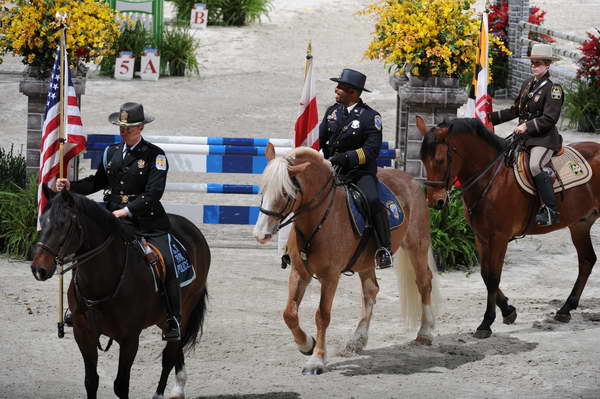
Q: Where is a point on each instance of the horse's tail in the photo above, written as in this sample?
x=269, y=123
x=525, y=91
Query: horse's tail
x=195, y=323
x=411, y=308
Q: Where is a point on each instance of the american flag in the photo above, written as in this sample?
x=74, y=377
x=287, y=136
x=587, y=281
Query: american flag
x=75, y=138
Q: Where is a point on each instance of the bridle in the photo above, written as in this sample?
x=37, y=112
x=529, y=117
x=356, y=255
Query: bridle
x=445, y=183
x=60, y=258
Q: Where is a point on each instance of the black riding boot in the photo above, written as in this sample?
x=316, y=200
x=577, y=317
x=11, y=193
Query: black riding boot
x=383, y=255
x=547, y=214
x=170, y=293
x=173, y=301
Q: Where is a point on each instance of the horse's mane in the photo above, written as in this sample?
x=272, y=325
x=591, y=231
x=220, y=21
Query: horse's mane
x=463, y=126
x=276, y=180
x=87, y=207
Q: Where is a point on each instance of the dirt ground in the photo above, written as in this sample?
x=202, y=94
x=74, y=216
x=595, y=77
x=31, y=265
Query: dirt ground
x=248, y=87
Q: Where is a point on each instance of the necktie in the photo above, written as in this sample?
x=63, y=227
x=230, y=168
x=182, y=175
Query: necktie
x=127, y=151
x=346, y=113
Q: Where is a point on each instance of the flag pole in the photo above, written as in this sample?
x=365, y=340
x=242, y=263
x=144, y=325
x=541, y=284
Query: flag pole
x=62, y=18
x=308, y=57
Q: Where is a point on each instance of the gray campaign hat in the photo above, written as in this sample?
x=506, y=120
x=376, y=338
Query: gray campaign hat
x=131, y=114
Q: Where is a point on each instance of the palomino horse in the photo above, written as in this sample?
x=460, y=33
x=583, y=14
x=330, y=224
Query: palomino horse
x=112, y=291
x=498, y=209
x=303, y=182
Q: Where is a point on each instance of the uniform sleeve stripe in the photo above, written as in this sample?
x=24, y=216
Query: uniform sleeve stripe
x=362, y=159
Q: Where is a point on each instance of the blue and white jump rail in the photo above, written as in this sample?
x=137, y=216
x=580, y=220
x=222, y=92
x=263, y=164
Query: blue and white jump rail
x=215, y=155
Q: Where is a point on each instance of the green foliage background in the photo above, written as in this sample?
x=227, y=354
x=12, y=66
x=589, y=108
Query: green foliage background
x=452, y=239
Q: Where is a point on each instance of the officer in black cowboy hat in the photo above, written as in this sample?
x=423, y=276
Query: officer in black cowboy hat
x=350, y=136
x=133, y=174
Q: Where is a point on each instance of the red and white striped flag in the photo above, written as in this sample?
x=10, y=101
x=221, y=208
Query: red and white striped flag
x=75, y=139
x=306, y=130
x=479, y=104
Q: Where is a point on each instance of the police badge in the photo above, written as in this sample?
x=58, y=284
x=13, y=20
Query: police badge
x=355, y=124
x=123, y=117
x=141, y=163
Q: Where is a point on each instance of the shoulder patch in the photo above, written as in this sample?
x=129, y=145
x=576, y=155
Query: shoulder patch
x=378, y=124
x=557, y=92
x=161, y=162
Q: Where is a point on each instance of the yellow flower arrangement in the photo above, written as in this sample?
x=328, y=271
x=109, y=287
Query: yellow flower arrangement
x=29, y=29
x=425, y=37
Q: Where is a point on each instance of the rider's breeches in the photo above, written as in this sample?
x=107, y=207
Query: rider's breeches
x=368, y=185
x=538, y=157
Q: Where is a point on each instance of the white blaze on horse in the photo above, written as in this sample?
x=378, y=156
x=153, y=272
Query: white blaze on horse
x=303, y=182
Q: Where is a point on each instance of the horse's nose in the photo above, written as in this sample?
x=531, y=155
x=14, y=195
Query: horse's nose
x=439, y=204
x=39, y=273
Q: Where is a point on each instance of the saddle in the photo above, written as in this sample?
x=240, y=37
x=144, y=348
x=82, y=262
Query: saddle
x=360, y=212
x=181, y=262
x=567, y=169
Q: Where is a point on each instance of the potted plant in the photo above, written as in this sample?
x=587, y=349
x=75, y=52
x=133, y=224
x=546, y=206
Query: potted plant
x=135, y=38
x=582, y=100
x=178, y=51
x=30, y=30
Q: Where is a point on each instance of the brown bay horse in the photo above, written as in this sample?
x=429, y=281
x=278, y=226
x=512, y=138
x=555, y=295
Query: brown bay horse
x=303, y=182
x=112, y=291
x=498, y=209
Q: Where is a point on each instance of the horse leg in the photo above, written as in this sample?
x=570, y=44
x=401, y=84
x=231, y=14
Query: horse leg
x=509, y=312
x=492, y=256
x=169, y=359
x=178, y=391
x=297, y=284
x=370, y=288
x=127, y=352
x=316, y=363
x=86, y=340
x=586, y=257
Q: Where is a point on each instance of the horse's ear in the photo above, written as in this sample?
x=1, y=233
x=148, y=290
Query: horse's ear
x=49, y=194
x=297, y=169
x=270, y=152
x=440, y=131
x=421, y=125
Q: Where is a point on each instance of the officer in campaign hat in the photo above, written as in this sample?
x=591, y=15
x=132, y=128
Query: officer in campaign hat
x=133, y=174
x=350, y=136
x=538, y=108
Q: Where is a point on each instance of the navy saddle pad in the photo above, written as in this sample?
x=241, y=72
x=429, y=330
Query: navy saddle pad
x=388, y=200
x=183, y=266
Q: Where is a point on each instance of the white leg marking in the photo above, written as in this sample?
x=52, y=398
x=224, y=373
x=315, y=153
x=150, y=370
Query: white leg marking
x=310, y=342
x=178, y=389
x=427, y=322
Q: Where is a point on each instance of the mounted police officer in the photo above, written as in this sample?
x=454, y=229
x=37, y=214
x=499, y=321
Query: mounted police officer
x=133, y=175
x=350, y=137
x=538, y=109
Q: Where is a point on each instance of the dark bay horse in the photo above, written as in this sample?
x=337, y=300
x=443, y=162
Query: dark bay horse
x=112, y=291
x=303, y=182
x=498, y=209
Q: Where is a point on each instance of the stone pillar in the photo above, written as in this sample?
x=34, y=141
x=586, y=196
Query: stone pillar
x=518, y=11
x=37, y=91
x=433, y=99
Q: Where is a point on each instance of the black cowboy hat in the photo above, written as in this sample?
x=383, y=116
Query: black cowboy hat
x=352, y=78
x=131, y=114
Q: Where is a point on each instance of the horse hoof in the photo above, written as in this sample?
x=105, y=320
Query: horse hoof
x=482, y=334
x=424, y=340
x=310, y=351
x=510, y=319
x=312, y=371
x=563, y=317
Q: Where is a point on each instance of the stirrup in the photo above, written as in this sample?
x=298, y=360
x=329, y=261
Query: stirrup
x=383, y=258
x=547, y=216
x=173, y=333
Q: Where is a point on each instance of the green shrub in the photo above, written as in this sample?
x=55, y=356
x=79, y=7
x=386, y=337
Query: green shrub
x=235, y=12
x=452, y=239
x=12, y=169
x=134, y=38
x=178, y=51
x=582, y=106
x=18, y=219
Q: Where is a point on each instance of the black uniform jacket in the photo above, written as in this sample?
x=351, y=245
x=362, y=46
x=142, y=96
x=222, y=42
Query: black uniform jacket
x=136, y=182
x=357, y=135
x=538, y=105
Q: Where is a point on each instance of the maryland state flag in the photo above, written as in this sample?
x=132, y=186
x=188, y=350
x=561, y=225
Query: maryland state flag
x=479, y=104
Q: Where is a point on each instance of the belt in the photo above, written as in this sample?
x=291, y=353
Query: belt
x=123, y=198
